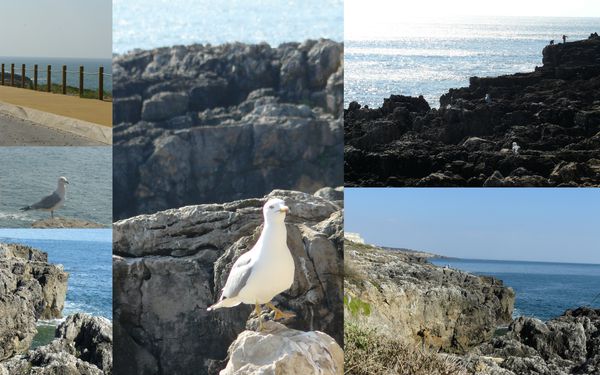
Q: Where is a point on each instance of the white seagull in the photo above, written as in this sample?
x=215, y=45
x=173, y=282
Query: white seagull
x=266, y=270
x=53, y=201
x=515, y=148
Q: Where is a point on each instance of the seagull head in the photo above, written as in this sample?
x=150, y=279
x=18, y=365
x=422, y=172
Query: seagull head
x=63, y=181
x=275, y=210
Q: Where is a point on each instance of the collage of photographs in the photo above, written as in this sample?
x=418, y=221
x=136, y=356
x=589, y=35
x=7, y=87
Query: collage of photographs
x=317, y=187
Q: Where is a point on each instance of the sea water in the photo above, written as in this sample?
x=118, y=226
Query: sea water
x=86, y=256
x=543, y=290
x=428, y=57
x=29, y=173
x=90, y=68
x=162, y=23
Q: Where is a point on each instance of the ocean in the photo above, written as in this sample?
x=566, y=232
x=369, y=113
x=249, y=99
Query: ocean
x=29, y=173
x=428, y=57
x=162, y=23
x=90, y=68
x=543, y=290
x=86, y=256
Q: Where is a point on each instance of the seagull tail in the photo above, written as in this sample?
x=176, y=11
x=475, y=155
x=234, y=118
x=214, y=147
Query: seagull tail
x=227, y=302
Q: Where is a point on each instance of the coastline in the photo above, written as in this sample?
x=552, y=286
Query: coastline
x=550, y=113
x=517, y=345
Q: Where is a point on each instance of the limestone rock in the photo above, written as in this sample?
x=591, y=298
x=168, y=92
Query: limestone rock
x=169, y=266
x=280, y=350
x=427, y=306
x=83, y=345
x=227, y=122
x=30, y=289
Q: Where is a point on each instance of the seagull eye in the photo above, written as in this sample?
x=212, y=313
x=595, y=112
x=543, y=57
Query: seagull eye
x=271, y=207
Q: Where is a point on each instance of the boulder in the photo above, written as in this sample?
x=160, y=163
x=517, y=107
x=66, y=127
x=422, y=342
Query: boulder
x=280, y=350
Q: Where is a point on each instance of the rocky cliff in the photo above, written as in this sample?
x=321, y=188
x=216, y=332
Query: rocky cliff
x=30, y=289
x=406, y=297
x=171, y=265
x=569, y=344
x=227, y=122
x=553, y=114
x=83, y=346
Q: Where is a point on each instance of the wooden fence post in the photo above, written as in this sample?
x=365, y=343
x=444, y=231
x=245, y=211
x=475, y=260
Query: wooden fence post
x=2, y=74
x=81, y=81
x=49, y=78
x=35, y=73
x=12, y=74
x=101, y=83
x=23, y=76
x=64, y=80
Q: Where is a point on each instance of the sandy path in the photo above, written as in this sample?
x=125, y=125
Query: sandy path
x=17, y=132
x=91, y=110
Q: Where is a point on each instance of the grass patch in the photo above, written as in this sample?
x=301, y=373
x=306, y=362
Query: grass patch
x=356, y=306
x=367, y=352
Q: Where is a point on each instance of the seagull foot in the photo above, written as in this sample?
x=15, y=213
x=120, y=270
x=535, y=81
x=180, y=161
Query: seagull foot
x=279, y=315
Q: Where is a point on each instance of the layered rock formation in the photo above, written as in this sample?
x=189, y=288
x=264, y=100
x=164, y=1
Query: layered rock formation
x=169, y=266
x=220, y=123
x=569, y=344
x=280, y=350
x=30, y=289
x=553, y=114
x=404, y=296
x=83, y=345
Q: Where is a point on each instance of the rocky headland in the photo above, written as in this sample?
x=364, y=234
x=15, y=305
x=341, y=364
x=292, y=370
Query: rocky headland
x=171, y=265
x=32, y=289
x=553, y=115
x=443, y=321
x=227, y=122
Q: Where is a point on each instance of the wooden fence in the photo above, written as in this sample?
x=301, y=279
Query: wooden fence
x=35, y=71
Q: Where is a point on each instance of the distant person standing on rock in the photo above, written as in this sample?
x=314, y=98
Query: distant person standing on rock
x=564, y=38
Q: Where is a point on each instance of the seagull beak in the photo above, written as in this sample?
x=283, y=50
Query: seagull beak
x=285, y=209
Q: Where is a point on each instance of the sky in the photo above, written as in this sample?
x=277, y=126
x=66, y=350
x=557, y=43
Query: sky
x=382, y=17
x=95, y=235
x=552, y=225
x=57, y=28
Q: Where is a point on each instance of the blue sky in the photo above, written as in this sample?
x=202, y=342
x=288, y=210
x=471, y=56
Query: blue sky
x=554, y=225
x=56, y=28
x=96, y=235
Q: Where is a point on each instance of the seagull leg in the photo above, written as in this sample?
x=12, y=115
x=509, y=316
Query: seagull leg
x=278, y=313
x=52, y=214
x=257, y=311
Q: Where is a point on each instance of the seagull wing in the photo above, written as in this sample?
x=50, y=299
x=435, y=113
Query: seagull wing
x=240, y=272
x=46, y=203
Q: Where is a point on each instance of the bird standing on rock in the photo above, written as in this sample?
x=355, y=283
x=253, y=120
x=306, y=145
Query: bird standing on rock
x=266, y=270
x=53, y=201
x=515, y=148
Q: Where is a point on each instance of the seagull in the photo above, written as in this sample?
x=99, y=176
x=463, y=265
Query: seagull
x=53, y=201
x=266, y=270
x=515, y=148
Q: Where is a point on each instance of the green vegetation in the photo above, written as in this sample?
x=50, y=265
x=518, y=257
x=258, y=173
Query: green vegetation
x=356, y=306
x=367, y=352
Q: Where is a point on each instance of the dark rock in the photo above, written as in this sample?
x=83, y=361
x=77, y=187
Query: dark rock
x=553, y=113
x=225, y=122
